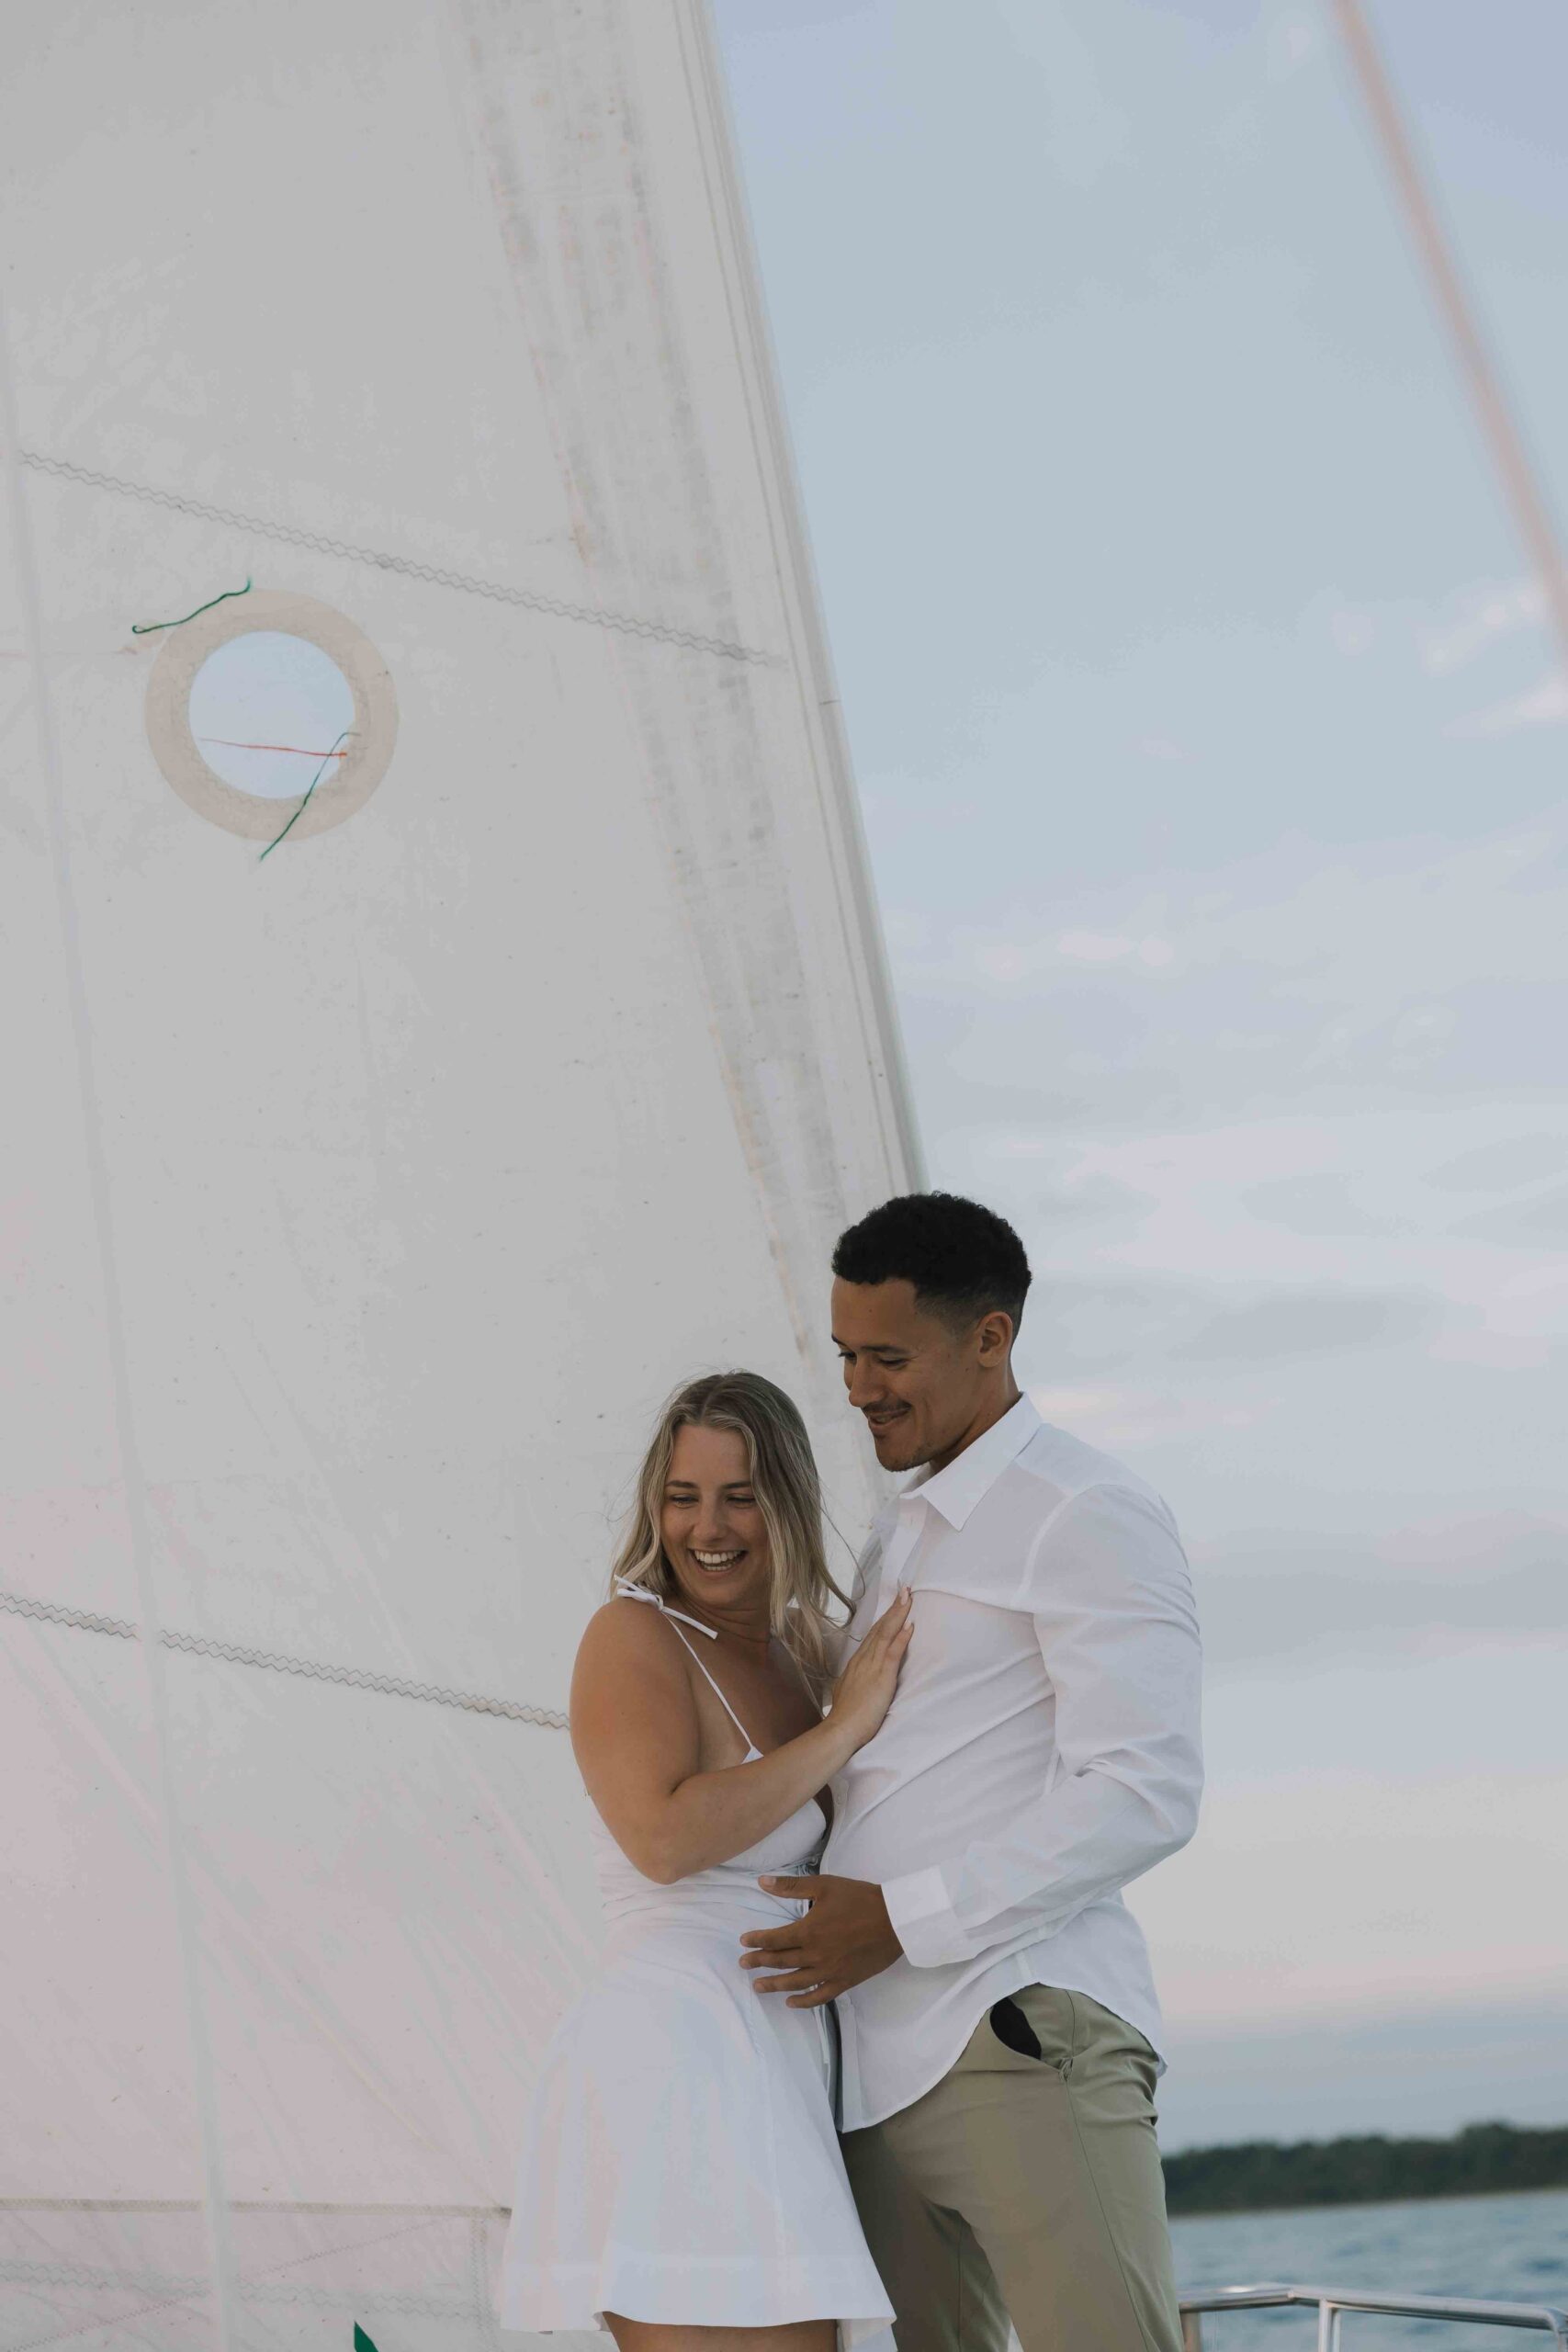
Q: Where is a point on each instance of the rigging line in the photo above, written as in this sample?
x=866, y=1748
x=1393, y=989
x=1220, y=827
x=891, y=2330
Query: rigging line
x=304, y=804
x=150, y=628
x=356, y=1678
x=1520, y=484
x=530, y=600
x=127, y=1446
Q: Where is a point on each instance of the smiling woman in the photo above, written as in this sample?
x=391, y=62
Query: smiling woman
x=680, y=2166
x=710, y=1522
x=766, y=1459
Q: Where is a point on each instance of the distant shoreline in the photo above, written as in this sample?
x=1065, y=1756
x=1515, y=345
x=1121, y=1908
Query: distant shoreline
x=1271, y=2176
x=1359, y=2204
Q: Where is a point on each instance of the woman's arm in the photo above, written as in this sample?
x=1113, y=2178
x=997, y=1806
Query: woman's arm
x=637, y=1740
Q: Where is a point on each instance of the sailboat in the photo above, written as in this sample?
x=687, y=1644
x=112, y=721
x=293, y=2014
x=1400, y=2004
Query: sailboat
x=445, y=1008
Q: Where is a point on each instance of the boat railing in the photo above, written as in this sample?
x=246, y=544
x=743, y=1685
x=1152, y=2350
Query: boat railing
x=1331, y=2307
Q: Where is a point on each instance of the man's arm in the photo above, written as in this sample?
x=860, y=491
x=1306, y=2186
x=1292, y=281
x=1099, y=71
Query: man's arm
x=1108, y=1590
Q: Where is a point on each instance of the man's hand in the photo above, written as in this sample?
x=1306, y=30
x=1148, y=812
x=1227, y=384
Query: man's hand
x=844, y=1937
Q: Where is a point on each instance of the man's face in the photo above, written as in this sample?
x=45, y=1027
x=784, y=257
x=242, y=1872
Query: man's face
x=920, y=1381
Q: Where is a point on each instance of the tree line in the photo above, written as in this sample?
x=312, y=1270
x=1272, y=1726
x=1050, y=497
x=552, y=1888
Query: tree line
x=1258, y=2174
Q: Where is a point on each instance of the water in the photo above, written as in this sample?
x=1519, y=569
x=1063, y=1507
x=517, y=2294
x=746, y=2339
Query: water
x=1511, y=2248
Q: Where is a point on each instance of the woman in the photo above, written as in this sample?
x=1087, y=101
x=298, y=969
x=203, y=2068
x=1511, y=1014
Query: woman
x=681, y=2171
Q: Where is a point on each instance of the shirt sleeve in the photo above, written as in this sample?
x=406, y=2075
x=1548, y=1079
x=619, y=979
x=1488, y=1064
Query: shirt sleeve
x=1107, y=1589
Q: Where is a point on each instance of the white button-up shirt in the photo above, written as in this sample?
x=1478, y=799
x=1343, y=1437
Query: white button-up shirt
x=1041, y=1750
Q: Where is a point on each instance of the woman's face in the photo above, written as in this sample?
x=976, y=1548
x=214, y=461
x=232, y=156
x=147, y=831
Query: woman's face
x=713, y=1531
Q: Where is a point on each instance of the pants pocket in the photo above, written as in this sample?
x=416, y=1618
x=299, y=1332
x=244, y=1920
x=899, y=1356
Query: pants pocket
x=1043, y=2022
x=1010, y=2026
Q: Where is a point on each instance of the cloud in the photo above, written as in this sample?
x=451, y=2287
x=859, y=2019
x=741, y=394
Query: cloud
x=1541, y=1220
x=1353, y=629
x=1430, y=2066
x=1544, y=706
x=1114, y=1417
x=1487, y=612
x=1084, y=133
x=1194, y=1255
x=1144, y=1321
x=1086, y=1198
x=1096, y=1325
x=1295, y=1324
x=1321, y=1202
x=789, y=16
x=1380, y=937
x=1280, y=1602
x=1114, y=948
x=1417, y=973
x=1493, y=1350
x=1247, y=1179
x=1346, y=1808
x=1296, y=1624
x=1493, y=1167
x=1291, y=44
x=1022, y=954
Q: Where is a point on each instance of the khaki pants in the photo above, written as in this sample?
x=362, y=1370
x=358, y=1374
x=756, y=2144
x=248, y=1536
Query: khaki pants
x=1025, y=2187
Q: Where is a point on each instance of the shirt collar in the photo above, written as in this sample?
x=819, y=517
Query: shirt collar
x=970, y=1475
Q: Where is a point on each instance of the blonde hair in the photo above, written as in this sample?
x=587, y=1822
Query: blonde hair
x=789, y=1496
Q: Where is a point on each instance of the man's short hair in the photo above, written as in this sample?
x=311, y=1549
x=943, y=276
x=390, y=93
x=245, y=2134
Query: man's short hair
x=963, y=1260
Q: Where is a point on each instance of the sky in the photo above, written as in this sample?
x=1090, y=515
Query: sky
x=1212, y=750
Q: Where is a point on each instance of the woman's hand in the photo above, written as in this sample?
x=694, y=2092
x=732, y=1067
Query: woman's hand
x=864, y=1693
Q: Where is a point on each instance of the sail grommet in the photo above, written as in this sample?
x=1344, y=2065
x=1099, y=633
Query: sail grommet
x=358, y=763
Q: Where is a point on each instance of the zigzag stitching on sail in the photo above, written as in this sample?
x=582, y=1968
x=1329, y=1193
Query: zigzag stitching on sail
x=530, y=599
x=265, y=2286
x=181, y=2288
x=246, y=2205
x=356, y=1678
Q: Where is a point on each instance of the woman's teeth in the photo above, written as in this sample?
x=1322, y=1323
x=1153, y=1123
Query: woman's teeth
x=714, y=1561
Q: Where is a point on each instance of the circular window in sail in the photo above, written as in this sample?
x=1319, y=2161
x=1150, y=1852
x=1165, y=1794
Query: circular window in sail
x=272, y=710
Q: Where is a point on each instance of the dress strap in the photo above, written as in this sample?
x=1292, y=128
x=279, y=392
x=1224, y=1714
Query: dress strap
x=641, y=1592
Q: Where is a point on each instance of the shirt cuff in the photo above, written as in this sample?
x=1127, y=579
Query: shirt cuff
x=922, y=1918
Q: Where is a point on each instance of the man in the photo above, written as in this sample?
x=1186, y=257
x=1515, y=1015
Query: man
x=999, y=2027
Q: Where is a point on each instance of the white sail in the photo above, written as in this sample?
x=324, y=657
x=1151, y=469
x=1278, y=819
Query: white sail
x=365, y=1196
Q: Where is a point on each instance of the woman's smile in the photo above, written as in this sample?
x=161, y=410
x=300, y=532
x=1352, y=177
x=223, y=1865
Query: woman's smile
x=713, y=1564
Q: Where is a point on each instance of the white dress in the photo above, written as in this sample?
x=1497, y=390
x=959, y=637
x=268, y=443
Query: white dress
x=680, y=2162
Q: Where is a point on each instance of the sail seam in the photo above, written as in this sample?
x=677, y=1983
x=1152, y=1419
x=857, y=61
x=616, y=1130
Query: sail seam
x=237, y=1654
x=116, y=1356
x=532, y=600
